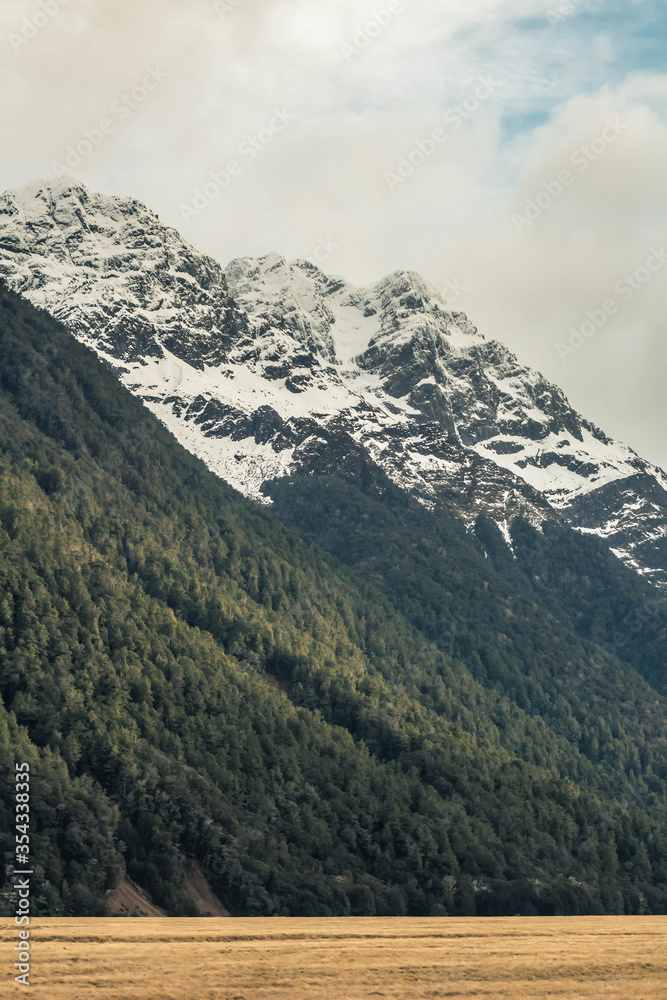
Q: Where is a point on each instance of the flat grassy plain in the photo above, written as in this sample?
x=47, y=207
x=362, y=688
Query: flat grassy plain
x=342, y=959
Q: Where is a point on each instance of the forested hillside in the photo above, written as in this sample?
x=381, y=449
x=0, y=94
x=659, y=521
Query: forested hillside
x=364, y=730
x=512, y=623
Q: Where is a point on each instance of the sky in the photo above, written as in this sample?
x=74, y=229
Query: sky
x=513, y=152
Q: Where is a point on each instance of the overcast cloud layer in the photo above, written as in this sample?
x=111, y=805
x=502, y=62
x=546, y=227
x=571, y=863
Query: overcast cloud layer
x=512, y=152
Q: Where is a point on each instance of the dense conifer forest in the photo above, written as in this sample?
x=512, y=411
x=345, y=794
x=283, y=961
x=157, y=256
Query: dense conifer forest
x=341, y=703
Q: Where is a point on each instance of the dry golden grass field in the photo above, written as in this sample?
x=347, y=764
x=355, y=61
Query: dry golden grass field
x=342, y=959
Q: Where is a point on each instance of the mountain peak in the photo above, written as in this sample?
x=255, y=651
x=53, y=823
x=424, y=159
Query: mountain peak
x=48, y=187
x=35, y=203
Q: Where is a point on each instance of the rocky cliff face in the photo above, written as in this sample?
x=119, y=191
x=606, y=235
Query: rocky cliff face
x=265, y=366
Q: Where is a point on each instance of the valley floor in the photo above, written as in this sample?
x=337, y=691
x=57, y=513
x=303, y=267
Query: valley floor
x=347, y=959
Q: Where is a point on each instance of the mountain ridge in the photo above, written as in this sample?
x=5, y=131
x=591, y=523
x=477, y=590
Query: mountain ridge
x=259, y=366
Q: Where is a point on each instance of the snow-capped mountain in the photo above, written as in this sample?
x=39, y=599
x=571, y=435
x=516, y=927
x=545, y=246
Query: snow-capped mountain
x=265, y=367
